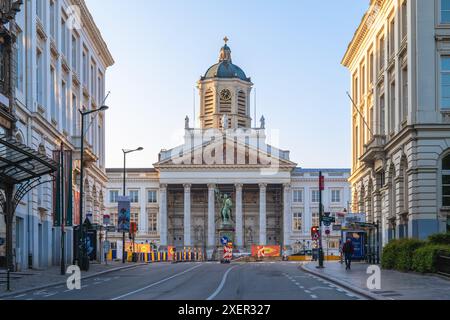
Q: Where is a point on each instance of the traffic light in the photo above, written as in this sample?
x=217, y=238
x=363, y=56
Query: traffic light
x=315, y=233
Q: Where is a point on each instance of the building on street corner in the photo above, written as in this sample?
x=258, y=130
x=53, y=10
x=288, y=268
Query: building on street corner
x=61, y=64
x=401, y=117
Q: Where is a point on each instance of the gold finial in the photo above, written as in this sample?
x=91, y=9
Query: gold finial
x=226, y=40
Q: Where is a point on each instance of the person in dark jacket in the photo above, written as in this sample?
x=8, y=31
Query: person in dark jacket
x=348, y=250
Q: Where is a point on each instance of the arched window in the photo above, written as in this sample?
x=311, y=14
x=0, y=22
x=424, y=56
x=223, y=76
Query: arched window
x=446, y=181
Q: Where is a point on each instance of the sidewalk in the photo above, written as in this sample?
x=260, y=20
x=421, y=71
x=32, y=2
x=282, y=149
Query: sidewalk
x=394, y=285
x=40, y=279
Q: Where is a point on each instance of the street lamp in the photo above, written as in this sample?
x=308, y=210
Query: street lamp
x=83, y=262
x=125, y=152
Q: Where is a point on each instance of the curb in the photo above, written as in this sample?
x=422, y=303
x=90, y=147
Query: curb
x=345, y=285
x=9, y=294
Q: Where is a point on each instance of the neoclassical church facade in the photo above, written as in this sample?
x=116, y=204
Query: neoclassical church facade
x=274, y=201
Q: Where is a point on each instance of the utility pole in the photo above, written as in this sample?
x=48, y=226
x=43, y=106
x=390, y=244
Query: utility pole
x=321, y=188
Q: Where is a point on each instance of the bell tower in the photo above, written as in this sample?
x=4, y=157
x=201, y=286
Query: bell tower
x=225, y=93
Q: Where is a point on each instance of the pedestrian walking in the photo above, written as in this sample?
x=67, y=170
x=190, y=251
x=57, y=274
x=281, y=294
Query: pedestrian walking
x=348, y=250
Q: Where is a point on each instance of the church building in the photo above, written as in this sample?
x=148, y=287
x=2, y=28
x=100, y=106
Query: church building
x=274, y=202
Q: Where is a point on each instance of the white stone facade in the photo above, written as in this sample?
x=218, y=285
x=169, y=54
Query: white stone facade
x=61, y=68
x=401, y=122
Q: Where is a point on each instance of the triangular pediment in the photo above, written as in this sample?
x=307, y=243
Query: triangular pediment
x=225, y=152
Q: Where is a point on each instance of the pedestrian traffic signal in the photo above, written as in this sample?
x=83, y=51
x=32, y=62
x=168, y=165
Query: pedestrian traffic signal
x=315, y=233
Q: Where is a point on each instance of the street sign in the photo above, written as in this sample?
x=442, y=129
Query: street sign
x=2, y=241
x=111, y=228
x=337, y=227
x=224, y=240
x=327, y=221
x=106, y=219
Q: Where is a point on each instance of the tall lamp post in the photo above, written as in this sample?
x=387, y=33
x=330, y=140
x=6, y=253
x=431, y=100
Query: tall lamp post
x=125, y=152
x=83, y=261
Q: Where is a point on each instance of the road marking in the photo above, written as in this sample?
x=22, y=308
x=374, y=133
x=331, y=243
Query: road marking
x=314, y=296
x=156, y=283
x=20, y=296
x=222, y=284
x=51, y=294
x=307, y=291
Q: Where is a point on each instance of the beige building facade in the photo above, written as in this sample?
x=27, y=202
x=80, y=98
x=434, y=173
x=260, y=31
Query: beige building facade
x=274, y=201
x=398, y=62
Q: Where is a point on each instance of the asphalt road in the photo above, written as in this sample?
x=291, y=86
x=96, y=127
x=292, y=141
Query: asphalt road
x=201, y=281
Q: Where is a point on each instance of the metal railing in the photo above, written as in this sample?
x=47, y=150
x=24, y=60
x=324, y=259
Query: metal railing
x=443, y=265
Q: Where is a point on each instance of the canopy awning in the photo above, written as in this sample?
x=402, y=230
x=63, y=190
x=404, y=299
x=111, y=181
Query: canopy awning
x=19, y=163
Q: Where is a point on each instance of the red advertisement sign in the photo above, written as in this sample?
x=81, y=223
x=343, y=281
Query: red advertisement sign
x=266, y=251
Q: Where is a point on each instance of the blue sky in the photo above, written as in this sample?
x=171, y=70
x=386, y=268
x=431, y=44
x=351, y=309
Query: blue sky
x=291, y=50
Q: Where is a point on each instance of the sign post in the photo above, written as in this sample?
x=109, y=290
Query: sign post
x=124, y=220
x=321, y=188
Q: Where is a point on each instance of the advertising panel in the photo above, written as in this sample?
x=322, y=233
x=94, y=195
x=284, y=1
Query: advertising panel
x=266, y=251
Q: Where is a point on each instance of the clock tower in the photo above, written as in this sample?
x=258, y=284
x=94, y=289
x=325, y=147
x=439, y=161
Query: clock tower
x=225, y=94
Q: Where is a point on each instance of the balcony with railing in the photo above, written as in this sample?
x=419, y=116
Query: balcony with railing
x=89, y=156
x=374, y=150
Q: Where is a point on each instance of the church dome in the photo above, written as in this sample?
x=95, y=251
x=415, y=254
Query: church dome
x=225, y=69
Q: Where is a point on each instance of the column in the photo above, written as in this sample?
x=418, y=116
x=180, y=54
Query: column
x=262, y=214
x=163, y=215
x=211, y=216
x=239, y=217
x=143, y=214
x=187, y=215
x=287, y=215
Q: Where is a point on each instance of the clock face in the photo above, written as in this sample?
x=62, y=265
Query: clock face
x=225, y=95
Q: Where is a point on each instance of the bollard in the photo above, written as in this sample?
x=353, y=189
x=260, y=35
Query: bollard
x=8, y=280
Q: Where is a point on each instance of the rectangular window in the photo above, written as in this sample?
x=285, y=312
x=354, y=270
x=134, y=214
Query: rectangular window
x=405, y=100
x=39, y=79
x=74, y=53
x=20, y=55
x=445, y=82
x=53, y=93
x=336, y=196
x=315, y=219
x=134, y=196
x=63, y=37
x=298, y=196
x=355, y=88
x=371, y=66
x=382, y=115
x=76, y=116
x=392, y=103
x=445, y=11
x=113, y=196
x=297, y=221
x=152, y=196
x=404, y=15
x=392, y=38
x=363, y=81
x=64, y=105
x=85, y=69
x=315, y=195
x=52, y=19
x=152, y=222
x=381, y=55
